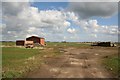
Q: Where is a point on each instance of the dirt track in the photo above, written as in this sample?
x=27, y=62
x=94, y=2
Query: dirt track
x=75, y=63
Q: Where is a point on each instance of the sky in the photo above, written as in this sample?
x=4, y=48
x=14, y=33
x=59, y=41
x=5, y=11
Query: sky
x=60, y=21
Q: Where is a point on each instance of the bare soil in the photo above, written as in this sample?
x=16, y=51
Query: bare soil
x=76, y=63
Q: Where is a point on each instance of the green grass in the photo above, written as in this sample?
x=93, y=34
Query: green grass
x=13, y=59
x=11, y=54
x=67, y=44
x=112, y=63
x=8, y=43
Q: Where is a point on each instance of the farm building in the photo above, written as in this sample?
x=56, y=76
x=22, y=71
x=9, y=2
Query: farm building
x=105, y=44
x=36, y=39
x=29, y=44
x=20, y=42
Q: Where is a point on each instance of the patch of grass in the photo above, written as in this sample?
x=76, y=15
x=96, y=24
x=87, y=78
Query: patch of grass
x=17, y=53
x=13, y=59
x=8, y=43
x=11, y=74
x=113, y=64
x=67, y=44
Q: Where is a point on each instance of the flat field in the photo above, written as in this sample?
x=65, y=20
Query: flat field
x=59, y=60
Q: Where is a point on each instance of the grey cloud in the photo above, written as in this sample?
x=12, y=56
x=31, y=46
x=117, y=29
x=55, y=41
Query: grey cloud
x=13, y=8
x=89, y=9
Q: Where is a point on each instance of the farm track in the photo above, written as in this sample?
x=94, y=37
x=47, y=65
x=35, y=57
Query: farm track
x=74, y=63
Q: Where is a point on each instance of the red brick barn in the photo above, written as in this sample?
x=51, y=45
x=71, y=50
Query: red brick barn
x=36, y=39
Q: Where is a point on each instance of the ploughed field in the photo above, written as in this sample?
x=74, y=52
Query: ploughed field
x=60, y=60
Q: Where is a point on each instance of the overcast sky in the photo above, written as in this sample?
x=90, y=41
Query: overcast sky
x=60, y=21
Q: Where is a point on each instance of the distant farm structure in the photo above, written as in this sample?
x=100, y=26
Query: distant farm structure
x=36, y=40
x=104, y=44
x=20, y=42
x=31, y=42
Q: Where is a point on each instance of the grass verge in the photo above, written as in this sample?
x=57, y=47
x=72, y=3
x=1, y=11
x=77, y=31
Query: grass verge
x=112, y=64
x=15, y=59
